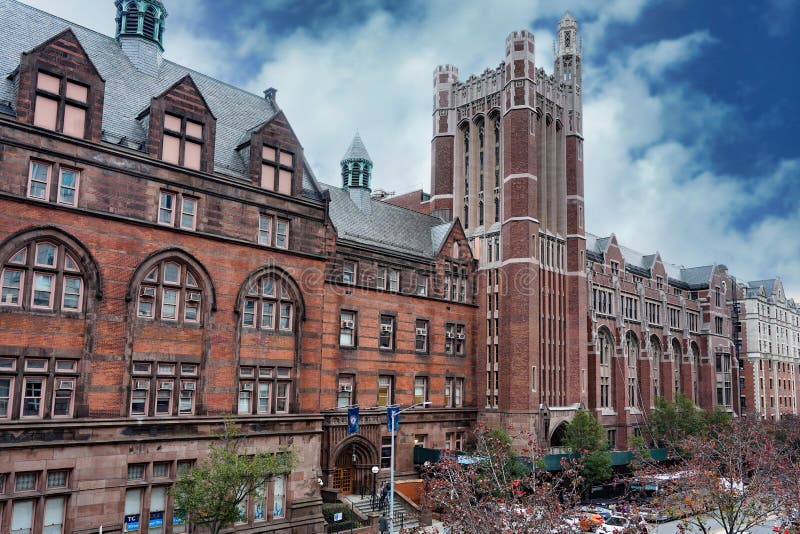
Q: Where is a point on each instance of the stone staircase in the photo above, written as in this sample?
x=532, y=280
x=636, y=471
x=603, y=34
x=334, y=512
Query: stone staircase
x=404, y=515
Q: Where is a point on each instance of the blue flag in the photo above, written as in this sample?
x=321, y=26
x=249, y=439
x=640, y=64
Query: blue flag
x=396, y=411
x=352, y=420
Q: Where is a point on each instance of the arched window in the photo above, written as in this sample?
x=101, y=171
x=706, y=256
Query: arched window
x=677, y=359
x=695, y=356
x=481, y=146
x=605, y=352
x=132, y=18
x=496, y=207
x=632, y=357
x=43, y=275
x=149, y=25
x=269, y=304
x=658, y=355
x=171, y=292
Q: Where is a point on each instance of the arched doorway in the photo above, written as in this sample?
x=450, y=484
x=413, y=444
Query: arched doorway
x=352, y=468
x=559, y=435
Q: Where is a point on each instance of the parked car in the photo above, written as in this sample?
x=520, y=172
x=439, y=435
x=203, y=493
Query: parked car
x=602, y=511
x=615, y=523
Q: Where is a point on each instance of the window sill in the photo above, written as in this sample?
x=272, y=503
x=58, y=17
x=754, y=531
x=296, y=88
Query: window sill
x=607, y=411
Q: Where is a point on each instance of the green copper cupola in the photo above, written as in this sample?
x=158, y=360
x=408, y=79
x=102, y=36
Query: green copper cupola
x=356, y=166
x=141, y=18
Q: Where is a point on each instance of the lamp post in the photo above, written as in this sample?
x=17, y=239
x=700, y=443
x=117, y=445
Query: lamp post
x=391, y=461
x=375, y=470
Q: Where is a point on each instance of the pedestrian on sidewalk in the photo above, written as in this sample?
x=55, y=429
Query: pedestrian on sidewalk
x=383, y=524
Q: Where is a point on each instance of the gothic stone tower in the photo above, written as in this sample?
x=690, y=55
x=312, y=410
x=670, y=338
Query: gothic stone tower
x=507, y=159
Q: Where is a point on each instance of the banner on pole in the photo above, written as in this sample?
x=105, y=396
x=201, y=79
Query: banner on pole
x=352, y=420
x=393, y=413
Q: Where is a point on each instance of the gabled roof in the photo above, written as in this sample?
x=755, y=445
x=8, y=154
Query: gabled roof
x=636, y=262
x=386, y=226
x=128, y=90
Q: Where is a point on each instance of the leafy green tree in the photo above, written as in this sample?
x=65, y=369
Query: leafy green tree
x=584, y=436
x=210, y=494
x=670, y=422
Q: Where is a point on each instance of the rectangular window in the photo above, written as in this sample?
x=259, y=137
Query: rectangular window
x=63, y=397
x=169, y=304
x=164, y=397
x=166, y=208
x=158, y=498
x=718, y=325
x=277, y=170
x=278, y=497
x=139, y=397
x=349, y=272
x=264, y=397
x=380, y=278
x=33, y=393
x=39, y=181
x=12, y=284
x=245, y=398
x=264, y=229
x=454, y=441
x=182, y=142
x=22, y=517
x=421, y=336
x=42, y=291
x=68, y=187
x=674, y=317
x=282, y=397
x=25, y=482
x=345, y=390
x=614, y=268
x=394, y=280
x=6, y=388
x=385, y=393
x=286, y=316
x=386, y=337
x=186, y=400
x=455, y=339
x=56, y=479
x=420, y=389
x=347, y=329
x=386, y=451
x=72, y=295
x=53, y=521
x=422, y=285
x=188, y=213
x=133, y=505
x=281, y=233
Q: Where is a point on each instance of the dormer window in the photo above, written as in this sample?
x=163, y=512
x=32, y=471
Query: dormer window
x=183, y=141
x=277, y=170
x=61, y=104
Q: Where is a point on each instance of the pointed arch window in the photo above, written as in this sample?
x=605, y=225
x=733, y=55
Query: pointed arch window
x=268, y=305
x=170, y=292
x=677, y=357
x=149, y=24
x=605, y=351
x=632, y=357
x=131, y=18
x=43, y=276
x=657, y=357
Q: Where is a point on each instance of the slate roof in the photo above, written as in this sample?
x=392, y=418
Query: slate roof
x=128, y=90
x=691, y=277
x=386, y=226
x=357, y=150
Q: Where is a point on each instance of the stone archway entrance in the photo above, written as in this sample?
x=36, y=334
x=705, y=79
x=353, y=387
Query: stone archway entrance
x=353, y=464
x=559, y=435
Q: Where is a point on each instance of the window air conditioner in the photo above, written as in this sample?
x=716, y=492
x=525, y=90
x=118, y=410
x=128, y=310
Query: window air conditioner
x=66, y=384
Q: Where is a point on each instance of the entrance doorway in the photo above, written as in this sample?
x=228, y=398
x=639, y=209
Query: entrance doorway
x=352, y=467
x=343, y=478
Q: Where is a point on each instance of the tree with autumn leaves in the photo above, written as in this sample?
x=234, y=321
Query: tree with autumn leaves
x=500, y=487
x=736, y=474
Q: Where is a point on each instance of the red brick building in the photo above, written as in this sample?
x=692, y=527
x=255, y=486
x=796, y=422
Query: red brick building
x=169, y=259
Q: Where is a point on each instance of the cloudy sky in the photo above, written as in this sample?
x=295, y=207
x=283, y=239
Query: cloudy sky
x=691, y=116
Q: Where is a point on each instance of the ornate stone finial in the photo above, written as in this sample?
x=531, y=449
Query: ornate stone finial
x=269, y=95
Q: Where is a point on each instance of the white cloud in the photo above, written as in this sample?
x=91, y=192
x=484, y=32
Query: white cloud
x=648, y=174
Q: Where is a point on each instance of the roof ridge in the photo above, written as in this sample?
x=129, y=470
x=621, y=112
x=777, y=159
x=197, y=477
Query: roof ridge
x=395, y=206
